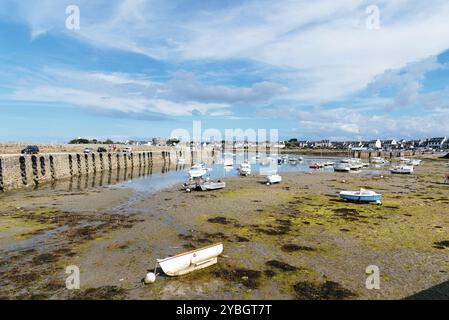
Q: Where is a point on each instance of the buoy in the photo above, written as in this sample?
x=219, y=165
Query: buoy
x=150, y=278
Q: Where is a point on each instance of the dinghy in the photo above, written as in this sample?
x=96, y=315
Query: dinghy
x=203, y=185
x=274, y=178
x=361, y=196
x=402, y=169
x=212, y=185
x=190, y=261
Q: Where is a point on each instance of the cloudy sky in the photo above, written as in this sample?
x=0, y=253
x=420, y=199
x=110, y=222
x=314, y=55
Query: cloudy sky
x=142, y=68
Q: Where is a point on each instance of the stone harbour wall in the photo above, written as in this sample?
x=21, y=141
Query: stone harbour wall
x=18, y=171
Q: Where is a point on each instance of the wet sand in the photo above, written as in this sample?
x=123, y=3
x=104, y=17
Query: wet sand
x=295, y=240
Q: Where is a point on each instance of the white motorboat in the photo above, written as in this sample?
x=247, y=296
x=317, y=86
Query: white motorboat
x=402, y=169
x=198, y=170
x=342, y=167
x=328, y=163
x=245, y=168
x=190, y=261
x=274, y=178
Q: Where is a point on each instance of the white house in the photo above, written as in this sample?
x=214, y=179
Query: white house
x=436, y=143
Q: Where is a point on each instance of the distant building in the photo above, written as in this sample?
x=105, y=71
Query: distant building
x=322, y=144
x=375, y=144
x=158, y=142
x=389, y=144
x=436, y=143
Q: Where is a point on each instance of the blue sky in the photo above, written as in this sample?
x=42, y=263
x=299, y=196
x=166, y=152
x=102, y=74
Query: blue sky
x=140, y=69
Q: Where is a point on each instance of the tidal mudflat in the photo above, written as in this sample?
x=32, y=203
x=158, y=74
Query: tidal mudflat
x=295, y=240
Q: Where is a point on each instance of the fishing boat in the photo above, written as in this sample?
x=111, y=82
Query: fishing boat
x=342, y=167
x=402, y=169
x=197, y=170
x=245, y=168
x=361, y=196
x=190, y=261
x=274, y=178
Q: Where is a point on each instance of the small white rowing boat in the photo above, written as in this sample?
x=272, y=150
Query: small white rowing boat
x=190, y=261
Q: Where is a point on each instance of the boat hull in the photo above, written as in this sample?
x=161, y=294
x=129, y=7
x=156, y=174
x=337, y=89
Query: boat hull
x=190, y=261
x=361, y=198
x=212, y=186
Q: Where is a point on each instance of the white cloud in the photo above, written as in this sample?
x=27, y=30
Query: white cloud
x=325, y=42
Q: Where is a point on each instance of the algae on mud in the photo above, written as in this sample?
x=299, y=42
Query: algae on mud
x=297, y=241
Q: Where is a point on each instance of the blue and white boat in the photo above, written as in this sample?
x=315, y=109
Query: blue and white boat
x=361, y=196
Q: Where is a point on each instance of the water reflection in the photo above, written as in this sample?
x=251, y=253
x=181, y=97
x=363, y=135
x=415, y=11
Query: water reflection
x=151, y=178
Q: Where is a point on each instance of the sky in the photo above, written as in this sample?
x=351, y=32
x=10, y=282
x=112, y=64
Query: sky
x=137, y=69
